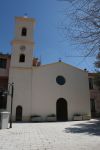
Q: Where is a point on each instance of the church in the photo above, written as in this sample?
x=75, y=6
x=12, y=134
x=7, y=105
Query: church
x=56, y=89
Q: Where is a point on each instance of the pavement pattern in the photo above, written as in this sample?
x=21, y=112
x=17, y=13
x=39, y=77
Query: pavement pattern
x=72, y=135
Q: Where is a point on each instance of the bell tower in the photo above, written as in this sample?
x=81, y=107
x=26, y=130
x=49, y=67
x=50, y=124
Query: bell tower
x=23, y=43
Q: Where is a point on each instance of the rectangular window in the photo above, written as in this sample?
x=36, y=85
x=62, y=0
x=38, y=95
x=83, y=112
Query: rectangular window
x=3, y=63
x=3, y=100
x=90, y=83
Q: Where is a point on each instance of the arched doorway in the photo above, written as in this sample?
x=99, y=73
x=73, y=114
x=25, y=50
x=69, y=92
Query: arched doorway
x=61, y=110
x=19, y=113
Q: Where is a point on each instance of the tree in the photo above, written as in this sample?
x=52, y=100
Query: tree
x=97, y=76
x=85, y=27
x=85, y=23
x=97, y=63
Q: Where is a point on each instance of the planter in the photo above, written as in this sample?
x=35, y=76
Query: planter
x=36, y=118
x=86, y=117
x=51, y=119
x=77, y=118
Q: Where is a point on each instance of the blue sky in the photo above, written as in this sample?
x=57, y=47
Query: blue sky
x=50, y=44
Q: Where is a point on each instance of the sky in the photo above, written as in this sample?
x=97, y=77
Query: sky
x=50, y=42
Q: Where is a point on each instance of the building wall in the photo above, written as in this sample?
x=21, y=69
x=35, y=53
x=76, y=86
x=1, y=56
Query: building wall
x=16, y=54
x=4, y=75
x=95, y=94
x=4, y=72
x=3, y=83
x=21, y=22
x=37, y=91
x=22, y=91
x=46, y=92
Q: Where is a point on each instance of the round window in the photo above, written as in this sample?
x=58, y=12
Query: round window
x=60, y=80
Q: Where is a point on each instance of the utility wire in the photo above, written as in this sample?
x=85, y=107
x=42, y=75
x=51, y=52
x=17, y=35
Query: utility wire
x=80, y=56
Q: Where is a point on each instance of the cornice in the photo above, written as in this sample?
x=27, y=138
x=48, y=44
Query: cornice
x=23, y=19
x=15, y=42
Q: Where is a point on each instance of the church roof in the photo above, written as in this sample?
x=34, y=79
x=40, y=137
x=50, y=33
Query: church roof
x=61, y=63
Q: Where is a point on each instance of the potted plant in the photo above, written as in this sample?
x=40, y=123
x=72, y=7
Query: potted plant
x=77, y=117
x=51, y=117
x=36, y=118
x=86, y=117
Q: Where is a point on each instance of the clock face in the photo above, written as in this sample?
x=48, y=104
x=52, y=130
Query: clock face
x=22, y=48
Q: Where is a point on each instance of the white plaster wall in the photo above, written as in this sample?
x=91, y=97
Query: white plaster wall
x=21, y=72
x=16, y=53
x=46, y=92
x=20, y=40
x=18, y=29
x=22, y=90
x=37, y=91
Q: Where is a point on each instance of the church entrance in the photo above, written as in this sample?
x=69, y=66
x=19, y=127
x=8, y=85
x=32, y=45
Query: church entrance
x=61, y=110
x=19, y=113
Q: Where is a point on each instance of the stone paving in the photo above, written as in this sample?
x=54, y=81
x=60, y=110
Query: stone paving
x=77, y=135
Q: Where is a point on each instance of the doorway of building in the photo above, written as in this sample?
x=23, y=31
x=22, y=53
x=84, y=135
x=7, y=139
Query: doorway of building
x=61, y=110
x=93, y=110
x=19, y=113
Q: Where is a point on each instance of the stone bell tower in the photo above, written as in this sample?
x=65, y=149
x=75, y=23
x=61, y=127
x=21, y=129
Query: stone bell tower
x=23, y=44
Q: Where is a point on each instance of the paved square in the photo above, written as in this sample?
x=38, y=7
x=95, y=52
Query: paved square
x=77, y=135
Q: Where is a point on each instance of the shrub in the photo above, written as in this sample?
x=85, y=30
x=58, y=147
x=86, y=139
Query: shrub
x=33, y=116
x=51, y=115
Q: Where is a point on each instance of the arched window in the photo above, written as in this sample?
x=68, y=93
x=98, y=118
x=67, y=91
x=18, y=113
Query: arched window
x=24, y=31
x=22, y=58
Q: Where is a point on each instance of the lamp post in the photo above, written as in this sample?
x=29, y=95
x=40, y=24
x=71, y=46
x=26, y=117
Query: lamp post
x=11, y=86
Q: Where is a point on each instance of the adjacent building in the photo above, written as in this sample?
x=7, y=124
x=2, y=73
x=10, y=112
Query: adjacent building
x=4, y=75
x=94, y=96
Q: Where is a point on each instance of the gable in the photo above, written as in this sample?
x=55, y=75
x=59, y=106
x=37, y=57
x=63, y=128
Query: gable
x=58, y=66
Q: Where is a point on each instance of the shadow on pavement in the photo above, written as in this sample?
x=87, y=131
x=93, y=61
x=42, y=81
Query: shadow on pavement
x=89, y=127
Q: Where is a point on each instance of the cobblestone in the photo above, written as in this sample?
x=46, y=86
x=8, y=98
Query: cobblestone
x=79, y=135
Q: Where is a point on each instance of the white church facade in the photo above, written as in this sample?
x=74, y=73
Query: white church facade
x=57, y=88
